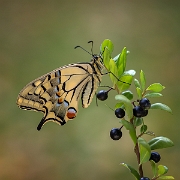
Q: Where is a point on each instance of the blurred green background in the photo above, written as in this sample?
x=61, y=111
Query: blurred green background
x=39, y=36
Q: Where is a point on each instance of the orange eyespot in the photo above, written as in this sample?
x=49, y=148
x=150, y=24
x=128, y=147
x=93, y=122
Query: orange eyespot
x=71, y=113
x=60, y=100
x=58, y=93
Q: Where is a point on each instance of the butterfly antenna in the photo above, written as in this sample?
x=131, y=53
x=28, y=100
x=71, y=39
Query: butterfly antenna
x=91, y=46
x=83, y=49
x=101, y=53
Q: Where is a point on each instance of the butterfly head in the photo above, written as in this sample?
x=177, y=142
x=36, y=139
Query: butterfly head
x=98, y=61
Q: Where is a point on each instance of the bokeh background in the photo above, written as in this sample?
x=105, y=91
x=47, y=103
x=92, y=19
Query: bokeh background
x=39, y=36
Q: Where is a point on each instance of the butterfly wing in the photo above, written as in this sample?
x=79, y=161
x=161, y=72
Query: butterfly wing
x=56, y=94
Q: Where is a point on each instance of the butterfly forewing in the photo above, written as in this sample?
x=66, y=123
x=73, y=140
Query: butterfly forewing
x=56, y=94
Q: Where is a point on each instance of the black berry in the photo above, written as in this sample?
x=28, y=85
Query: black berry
x=144, y=178
x=145, y=103
x=155, y=157
x=102, y=95
x=120, y=113
x=138, y=111
x=115, y=133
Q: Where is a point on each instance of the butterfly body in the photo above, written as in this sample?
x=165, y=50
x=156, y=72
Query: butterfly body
x=57, y=93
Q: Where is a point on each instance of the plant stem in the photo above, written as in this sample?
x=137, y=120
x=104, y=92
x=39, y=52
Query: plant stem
x=136, y=150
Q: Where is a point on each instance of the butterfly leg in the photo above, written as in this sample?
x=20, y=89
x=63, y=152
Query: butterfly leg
x=115, y=77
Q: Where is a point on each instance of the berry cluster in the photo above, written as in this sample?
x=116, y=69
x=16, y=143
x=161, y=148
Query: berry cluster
x=138, y=111
x=142, y=109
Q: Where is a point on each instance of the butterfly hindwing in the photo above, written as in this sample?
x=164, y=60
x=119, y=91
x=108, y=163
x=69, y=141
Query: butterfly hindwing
x=56, y=94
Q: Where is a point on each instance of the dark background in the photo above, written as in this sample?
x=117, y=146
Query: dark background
x=39, y=36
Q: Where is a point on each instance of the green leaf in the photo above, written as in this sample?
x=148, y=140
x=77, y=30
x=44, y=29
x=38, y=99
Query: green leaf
x=154, y=168
x=130, y=127
x=143, y=80
x=119, y=105
x=121, y=62
x=153, y=94
x=106, y=58
x=124, y=83
x=125, y=80
x=127, y=104
x=161, y=106
x=162, y=170
x=126, y=124
x=145, y=151
x=156, y=87
x=137, y=84
x=160, y=143
x=114, y=71
x=132, y=170
x=165, y=177
x=132, y=133
x=143, y=128
x=139, y=92
x=137, y=121
x=128, y=94
x=106, y=50
x=107, y=43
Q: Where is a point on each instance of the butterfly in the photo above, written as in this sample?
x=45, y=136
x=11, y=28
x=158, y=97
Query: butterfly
x=56, y=94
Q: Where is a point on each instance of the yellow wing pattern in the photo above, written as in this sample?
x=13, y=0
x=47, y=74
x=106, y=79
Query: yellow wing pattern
x=57, y=93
